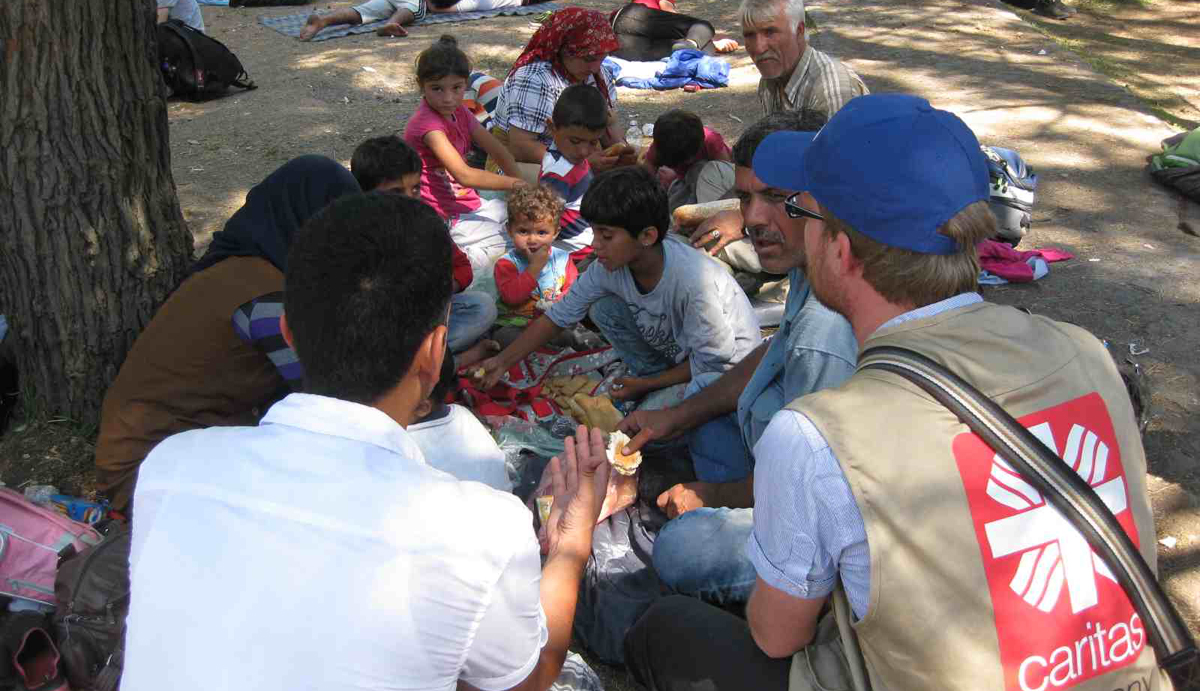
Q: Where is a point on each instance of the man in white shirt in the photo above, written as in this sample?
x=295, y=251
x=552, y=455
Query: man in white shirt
x=318, y=550
x=186, y=11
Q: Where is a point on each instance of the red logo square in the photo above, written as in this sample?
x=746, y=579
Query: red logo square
x=1061, y=617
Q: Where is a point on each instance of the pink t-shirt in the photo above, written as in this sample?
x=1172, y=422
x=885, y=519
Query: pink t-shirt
x=438, y=188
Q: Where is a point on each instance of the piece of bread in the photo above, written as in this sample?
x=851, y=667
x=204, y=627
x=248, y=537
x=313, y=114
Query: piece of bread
x=625, y=464
x=544, y=504
x=599, y=410
x=621, y=149
x=690, y=215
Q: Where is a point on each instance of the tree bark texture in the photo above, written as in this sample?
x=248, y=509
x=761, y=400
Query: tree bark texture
x=91, y=236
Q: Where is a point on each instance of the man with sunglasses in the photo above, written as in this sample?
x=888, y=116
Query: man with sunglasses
x=701, y=551
x=947, y=569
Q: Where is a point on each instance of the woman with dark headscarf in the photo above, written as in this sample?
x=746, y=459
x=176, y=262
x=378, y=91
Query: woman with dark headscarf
x=568, y=49
x=213, y=353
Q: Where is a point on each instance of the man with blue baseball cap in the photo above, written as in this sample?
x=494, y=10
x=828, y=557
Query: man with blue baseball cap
x=956, y=573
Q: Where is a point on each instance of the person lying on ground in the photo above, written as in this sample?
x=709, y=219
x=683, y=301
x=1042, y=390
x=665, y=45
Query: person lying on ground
x=700, y=551
x=398, y=13
x=694, y=161
x=442, y=131
x=653, y=29
x=212, y=355
x=451, y=6
x=323, y=535
x=452, y=438
x=794, y=74
x=577, y=128
x=534, y=274
x=671, y=313
x=877, y=486
x=569, y=48
x=387, y=164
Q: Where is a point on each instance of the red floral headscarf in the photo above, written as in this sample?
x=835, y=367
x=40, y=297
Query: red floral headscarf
x=582, y=32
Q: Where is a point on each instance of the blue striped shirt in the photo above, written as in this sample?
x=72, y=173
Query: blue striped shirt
x=808, y=530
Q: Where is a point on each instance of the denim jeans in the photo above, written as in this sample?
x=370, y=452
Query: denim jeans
x=703, y=554
x=612, y=316
x=719, y=454
x=471, y=315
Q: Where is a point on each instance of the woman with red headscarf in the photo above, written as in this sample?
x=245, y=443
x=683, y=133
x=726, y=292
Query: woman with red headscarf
x=568, y=49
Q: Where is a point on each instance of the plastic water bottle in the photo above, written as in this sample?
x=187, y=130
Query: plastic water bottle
x=633, y=135
x=40, y=494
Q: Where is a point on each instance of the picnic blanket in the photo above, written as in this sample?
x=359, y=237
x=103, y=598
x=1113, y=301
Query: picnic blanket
x=521, y=394
x=293, y=24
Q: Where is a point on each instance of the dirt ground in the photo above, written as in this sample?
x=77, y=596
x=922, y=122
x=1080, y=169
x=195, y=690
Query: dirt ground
x=1017, y=80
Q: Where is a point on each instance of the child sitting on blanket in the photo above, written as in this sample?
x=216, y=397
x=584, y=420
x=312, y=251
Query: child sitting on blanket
x=535, y=273
x=442, y=130
x=387, y=164
x=670, y=311
x=452, y=438
x=577, y=126
x=693, y=161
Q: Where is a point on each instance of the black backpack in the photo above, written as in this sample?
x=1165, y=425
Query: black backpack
x=92, y=589
x=195, y=65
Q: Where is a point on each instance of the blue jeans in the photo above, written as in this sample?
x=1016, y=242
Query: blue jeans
x=612, y=316
x=703, y=554
x=471, y=315
x=719, y=453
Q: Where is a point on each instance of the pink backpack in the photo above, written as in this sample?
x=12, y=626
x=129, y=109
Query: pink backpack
x=31, y=539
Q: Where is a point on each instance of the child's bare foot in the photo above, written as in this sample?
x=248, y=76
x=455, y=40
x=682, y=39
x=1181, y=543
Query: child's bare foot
x=312, y=27
x=391, y=29
x=725, y=45
x=476, y=353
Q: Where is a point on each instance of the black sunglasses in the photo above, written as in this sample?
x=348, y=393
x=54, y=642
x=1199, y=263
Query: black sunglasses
x=794, y=210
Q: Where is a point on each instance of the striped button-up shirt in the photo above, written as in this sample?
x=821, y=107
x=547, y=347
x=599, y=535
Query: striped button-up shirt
x=819, y=83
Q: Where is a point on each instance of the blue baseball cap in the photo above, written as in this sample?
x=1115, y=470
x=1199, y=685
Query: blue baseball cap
x=890, y=165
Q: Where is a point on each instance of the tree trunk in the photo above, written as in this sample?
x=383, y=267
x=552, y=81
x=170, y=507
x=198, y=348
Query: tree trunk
x=91, y=236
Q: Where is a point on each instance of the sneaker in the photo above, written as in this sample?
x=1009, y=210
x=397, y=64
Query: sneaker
x=1054, y=9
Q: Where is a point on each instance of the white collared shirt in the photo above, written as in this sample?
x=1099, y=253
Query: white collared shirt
x=318, y=550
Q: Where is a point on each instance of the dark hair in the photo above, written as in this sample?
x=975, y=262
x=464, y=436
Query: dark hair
x=630, y=198
x=380, y=159
x=803, y=120
x=442, y=59
x=447, y=381
x=678, y=137
x=581, y=105
x=368, y=278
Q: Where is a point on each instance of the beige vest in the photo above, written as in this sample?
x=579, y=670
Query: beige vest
x=975, y=582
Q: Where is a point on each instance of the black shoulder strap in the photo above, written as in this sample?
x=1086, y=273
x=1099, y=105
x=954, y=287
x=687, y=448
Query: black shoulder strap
x=1061, y=486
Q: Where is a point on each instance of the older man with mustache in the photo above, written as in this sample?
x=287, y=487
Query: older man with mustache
x=795, y=76
x=700, y=552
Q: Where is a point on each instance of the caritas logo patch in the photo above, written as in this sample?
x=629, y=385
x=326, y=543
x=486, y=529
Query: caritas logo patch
x=1061, y=616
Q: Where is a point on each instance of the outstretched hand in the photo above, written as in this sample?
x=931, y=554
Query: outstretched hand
x=493, y=370
x=645, y=426
x=579, y=481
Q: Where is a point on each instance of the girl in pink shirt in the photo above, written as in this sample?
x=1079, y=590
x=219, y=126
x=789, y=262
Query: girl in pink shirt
x=442, y=131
